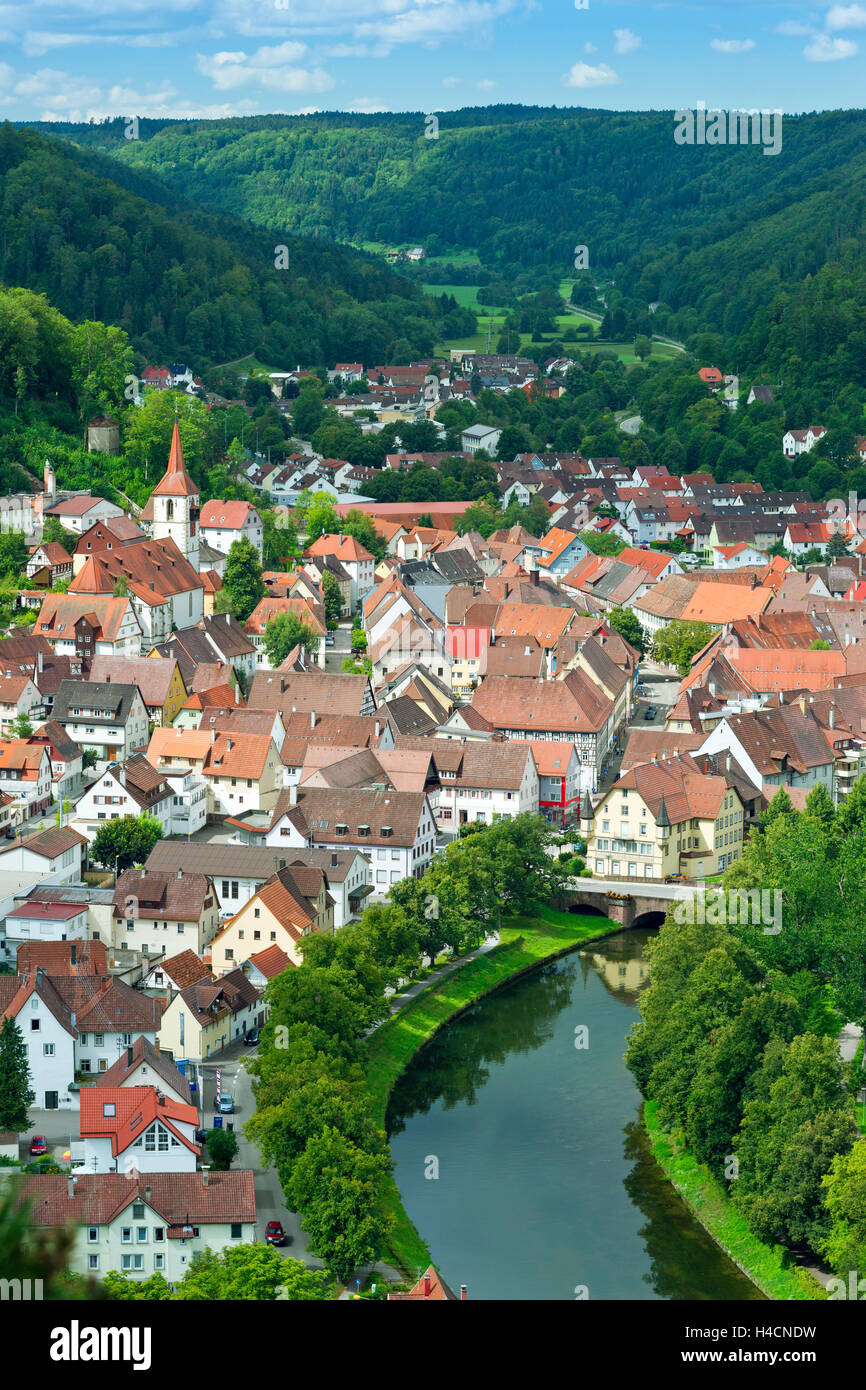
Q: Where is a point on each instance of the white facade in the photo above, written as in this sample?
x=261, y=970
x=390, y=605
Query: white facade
x=96, y=1052
x=50, y=1055
x=157, y=1150
x=460, y=803
x=113, y=742
x=221, y=536
x=109, y=799
x=138, y=1245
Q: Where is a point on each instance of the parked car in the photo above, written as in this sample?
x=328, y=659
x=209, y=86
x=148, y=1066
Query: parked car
x=651, y=712
x=329, y=640
x=201, y=1136
x=251, y=1039
x=38, y=1146
x=274, y=1233
x=225, y=1105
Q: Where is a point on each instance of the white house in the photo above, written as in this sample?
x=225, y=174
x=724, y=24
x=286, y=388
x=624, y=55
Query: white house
x=222, y=523
x=478, y=437
x=152, y=1224
x=136, y=1128
x=796, y=442
x=125, y=789
x=104, y=715
x=55, y=854
x=78, y=514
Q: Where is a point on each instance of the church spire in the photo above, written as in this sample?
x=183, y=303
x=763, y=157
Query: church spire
x=175, y=481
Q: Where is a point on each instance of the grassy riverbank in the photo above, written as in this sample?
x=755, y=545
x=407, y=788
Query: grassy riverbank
x=706, y=1198
x=525, y=942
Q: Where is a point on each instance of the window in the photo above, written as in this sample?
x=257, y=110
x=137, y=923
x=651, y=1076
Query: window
x=109, y=1109
x=141, y=1234
x=236, y=1230
x=131, y=1262
x=125, y=1235
x=48, y=1049
x=98, y=1040
x=256, y=912
x=35, y=1025
x=159, y=1233
x=92, y=1234
x=93, y=1262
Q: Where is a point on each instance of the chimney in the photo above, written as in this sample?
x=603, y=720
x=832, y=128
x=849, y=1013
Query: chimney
x=312, y=719
x=142, y=873
x=462, y=1293
x=129, y=1056
x=40, y=976
x=70, y=1187
x=213, y=735
x=121, y=776
x=228, y=745
x=204, y=1175
x=802, y=704
x=334, y=859
x=156, y=1046
x=39, y=662
x=534, y=577
x=832, y=716
x=728, y=762
x=427, y=1283
x=293, y=794
x=378, y=728
x=228, y=619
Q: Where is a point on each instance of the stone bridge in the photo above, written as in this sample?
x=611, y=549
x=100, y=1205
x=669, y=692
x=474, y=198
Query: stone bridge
x=632, y=904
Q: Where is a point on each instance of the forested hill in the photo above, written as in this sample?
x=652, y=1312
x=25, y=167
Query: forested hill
x=723, y=237
x=106, y=241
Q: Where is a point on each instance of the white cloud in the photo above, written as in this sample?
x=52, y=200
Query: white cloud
x=451, y=81
x=732, y=45
x=590, y=48
x=367, y=105
x=846, y=17
x=824, y=50
x=626, y=41
x=266, y=69
x=582, y=75
x=793, y=28
x=415, y=21
x=485, y=84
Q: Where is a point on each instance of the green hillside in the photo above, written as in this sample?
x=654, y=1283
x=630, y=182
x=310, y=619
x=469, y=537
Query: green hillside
x=112, y=243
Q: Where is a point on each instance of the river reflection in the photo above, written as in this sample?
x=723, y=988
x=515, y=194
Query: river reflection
x=545, y=1179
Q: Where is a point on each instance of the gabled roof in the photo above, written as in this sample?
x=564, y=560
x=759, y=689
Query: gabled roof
x=178, y=1198
x=144, y=1054
x=123, y=1113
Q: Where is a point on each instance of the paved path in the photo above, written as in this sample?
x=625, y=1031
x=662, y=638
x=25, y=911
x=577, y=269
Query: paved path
x=398, y=1001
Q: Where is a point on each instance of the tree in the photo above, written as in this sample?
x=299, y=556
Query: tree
x=628, y=626
x=13, y=554
x=243, y=581
x=21, y=726
x=319, y=517
x=333, y=599
x=89, y=757
x=837, y=545
x=125, y=842
x=285, y=631
x=253, y=1271
x=222, y=1146
x=337, y=1188
x=677, y=643
x=601, y=543
x=54, y=533
x=845, y=1199
x=15, y=1092
x=642, y=346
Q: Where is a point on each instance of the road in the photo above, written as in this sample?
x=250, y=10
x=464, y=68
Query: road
x=631, y=424
x=336, y=655
x=235, y=1081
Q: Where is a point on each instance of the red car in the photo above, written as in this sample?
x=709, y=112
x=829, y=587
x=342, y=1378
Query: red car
x=274, y=1233
x=38, y=1145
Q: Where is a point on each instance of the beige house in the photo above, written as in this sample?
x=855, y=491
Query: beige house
x=209, y=1016
x=291, y=905
x=664, y=818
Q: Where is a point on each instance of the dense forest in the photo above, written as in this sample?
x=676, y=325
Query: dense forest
x=766, y=252
x=107, y=243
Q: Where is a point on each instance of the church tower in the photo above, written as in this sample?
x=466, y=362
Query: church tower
x=173, y=507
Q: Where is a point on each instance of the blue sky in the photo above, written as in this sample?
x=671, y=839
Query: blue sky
x=94, y=58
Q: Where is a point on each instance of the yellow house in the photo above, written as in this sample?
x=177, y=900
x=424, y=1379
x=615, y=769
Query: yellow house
x=291, y=905
x=210, y=1015
x=664, y=818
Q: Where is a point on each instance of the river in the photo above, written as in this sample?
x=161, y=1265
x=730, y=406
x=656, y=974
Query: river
x=519, y=1155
